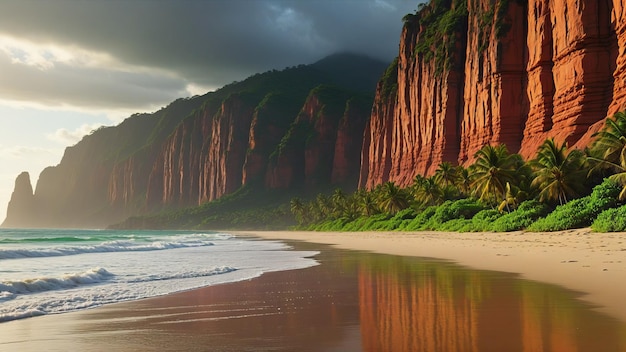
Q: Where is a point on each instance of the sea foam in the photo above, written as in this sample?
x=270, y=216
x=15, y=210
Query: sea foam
x=58, y=271
x=105, y=247
x=8, y=289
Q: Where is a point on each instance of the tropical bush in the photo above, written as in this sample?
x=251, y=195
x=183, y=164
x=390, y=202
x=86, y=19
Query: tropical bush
x=482, y=221
x=582, y=211
x=451, y=210
x=420, y=220
x=521, y=218
x=498, y=192
x=611, y=220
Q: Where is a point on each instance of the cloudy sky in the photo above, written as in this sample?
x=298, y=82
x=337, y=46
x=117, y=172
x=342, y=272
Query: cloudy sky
x=70, y=66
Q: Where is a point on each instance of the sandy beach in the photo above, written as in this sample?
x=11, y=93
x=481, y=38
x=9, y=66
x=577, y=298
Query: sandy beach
x=591, y=263
x=377, y=292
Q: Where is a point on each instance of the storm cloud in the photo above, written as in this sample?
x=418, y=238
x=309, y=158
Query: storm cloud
x=107, y=53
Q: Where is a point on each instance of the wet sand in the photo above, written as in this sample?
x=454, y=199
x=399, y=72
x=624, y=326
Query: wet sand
x=591, y=263
x=356, y=300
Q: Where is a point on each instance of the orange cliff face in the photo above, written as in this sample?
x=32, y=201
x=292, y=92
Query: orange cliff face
x=517, y=72
x=346, y=159
x=175, y=175
x=322, y=145
x=252, y=133
x=376, y=149
x=571, y=71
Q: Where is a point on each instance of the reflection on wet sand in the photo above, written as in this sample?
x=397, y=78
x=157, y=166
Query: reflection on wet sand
x=408, y=304
x=353, y=301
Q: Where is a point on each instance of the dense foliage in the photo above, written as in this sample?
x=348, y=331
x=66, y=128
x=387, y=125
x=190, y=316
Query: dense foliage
x=560, y=189
x=247, y=208
x=443, y=22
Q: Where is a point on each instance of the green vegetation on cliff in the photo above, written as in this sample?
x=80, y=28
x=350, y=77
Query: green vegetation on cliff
x=560, y=189
x=248, y=208
x=442, y=23
x=158, y=161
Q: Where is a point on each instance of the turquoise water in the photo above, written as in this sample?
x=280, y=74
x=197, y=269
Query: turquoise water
x=57, y=271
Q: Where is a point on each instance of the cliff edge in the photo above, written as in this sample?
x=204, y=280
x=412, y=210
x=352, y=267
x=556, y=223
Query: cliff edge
x=476, y=72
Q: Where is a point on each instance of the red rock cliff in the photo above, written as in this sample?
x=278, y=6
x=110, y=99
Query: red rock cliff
x=505, y=71
x=322, y=146
x=201, y=148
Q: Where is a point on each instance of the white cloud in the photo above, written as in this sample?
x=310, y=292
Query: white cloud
x=45, y=56
x=198, y=89
x=70, y=77
x=65, y=136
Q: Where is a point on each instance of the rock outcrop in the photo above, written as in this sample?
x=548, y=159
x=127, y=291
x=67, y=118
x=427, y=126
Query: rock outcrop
x=21, y=203
x=476, y=72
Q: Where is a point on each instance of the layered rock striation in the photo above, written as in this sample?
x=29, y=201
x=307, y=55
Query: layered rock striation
x=290, y=129
x=476, y=72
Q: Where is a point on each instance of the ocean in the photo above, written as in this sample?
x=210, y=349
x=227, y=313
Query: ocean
x=59, y=271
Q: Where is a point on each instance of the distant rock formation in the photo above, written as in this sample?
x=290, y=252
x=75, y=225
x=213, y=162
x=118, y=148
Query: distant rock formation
x=288, y=129
x=21, y=203
x=476, y=72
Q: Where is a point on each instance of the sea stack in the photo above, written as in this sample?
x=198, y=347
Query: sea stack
x=21, y=204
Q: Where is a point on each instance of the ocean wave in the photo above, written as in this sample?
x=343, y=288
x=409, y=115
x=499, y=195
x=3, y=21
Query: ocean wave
x=45, y=239
x=185, y=275
x=9, y=289
x=4, y=317
x=6, y=296
x=110, y=246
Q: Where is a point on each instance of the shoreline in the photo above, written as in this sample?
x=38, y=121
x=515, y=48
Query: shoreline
x=365, y=295
x=593, y=264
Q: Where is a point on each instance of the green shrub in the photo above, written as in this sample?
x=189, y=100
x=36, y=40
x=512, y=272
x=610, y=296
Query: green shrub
x=406, y=214
x=455, y=225
x=604, y=196
x=375, y=222
x=391, y=224
x=520, y=218
x=355, y=225
x=580, y=212
x=482, y=221
x=461, y=209
x=611, y=220
x=421, y=219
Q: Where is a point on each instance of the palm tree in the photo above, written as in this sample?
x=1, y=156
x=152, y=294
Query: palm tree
x=493, y=168
x=297, y=209
x=609, y=150
x=338, y=203
x=512, y=198
x=366, y=203
x=428, y=192
x=446, y=174
x=464, y=182
x=558, y=173
x=610, y=142
x=393, y=198
x=313, y=212
x=324, y=206
x=418, y=181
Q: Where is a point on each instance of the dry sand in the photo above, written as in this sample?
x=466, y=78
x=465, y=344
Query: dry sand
x=591, y=263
